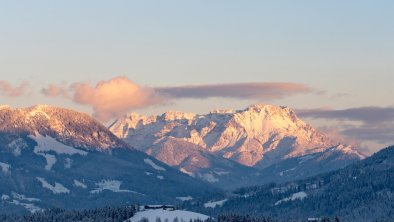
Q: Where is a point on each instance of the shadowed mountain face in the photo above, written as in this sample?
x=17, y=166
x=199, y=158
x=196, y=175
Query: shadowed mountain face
x=260, y=144
x=54, y=157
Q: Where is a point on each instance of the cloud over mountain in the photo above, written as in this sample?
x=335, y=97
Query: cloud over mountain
x=7, y=89
x=369, y=114
x=119, y=95
x=262, y=90
x=372, y=123
x=54, y=90
x=114, y=97
x=109, y=99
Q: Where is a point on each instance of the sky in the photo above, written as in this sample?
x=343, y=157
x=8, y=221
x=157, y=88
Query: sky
x=331, y=61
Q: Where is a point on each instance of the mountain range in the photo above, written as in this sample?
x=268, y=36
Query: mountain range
x=56, y=157
x=261, y=144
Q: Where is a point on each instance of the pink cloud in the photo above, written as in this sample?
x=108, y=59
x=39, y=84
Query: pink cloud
x=119, y=95
x=54, y=90
x=113, y=98
x=7, y=89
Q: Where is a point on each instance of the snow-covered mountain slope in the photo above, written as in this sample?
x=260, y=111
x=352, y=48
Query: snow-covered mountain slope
x=67, y=126
x=165, y=215
x=191, y=159
x=53, y=157
x=259, y=136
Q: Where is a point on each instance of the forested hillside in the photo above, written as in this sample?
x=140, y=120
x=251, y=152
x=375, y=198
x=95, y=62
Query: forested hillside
x=116, y=214
x=361, y=192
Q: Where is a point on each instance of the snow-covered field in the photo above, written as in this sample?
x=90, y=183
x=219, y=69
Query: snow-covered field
x=47, y=143
x=56, y=189
x=79, y=184
x=209, y=177
x=153, y=165
x=184, y=198
x=215, y=203
x=295, y=196
x=28, y=206
x=111, y=185
x=51, y=160
x=5, y=168
x=164, y=215
x=22, y=200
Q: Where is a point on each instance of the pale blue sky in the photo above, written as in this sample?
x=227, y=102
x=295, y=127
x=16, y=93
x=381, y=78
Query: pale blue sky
x=341, y=47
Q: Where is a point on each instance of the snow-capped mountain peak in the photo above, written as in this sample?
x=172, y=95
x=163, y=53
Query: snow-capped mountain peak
x=67, y=126
x=176, y=115
x=259, y=136
x=5, y=107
